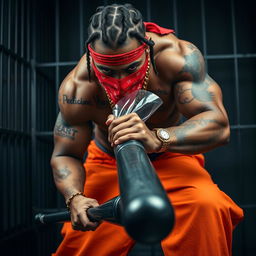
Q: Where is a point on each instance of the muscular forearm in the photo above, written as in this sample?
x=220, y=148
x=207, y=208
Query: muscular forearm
x=199, y=134
x=69, y=175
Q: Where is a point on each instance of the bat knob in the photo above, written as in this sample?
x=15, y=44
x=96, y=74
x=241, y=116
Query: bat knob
x=149, y=218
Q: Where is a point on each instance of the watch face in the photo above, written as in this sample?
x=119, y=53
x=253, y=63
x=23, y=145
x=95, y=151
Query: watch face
x=164, y=134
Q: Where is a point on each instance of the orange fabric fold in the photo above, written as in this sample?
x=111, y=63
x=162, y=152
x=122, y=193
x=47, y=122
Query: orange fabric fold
x=205, y=216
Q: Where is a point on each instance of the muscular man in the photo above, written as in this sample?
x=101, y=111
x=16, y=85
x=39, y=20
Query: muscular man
x=123, y=55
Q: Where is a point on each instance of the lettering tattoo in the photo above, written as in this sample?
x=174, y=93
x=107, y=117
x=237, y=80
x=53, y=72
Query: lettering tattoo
x=62, y=174
x=74, y=100
x=63, y=129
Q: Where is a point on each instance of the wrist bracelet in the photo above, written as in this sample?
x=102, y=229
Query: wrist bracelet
x=68, y=202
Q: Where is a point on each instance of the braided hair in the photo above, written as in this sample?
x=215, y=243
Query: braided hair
x=114, y=24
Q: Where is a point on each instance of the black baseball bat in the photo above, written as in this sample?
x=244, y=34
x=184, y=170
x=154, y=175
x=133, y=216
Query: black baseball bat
x=147, y=213
x=109, y=211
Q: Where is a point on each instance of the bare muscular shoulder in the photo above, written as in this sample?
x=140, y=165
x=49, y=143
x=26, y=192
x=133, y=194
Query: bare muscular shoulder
x=81, y=100
x=173, y=56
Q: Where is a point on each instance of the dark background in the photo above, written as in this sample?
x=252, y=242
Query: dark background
x=41, y=41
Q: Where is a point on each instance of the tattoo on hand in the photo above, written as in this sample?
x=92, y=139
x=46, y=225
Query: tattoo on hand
x=63, y=129
x=62, y=174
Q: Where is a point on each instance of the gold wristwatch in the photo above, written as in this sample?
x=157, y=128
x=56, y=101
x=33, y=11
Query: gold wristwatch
x=164, y=136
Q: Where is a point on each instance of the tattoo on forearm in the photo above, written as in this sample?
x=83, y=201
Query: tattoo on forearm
x=181, y=132
x=197, y=91
x=74, y=100
x=63, y=129
x=62, y=174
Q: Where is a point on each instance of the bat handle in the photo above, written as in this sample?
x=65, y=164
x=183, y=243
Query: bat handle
x=109, y=211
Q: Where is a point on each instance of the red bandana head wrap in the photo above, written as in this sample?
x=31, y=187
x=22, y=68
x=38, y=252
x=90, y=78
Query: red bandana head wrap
x=117, y=88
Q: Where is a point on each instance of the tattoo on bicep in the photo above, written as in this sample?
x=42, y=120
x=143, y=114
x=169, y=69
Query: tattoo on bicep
x=198, y=91
x=63, y=129
x=61, y=174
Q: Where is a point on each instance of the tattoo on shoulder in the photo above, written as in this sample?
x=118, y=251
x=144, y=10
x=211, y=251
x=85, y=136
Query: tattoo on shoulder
x=194, y=64
x=63, y=129
x=198, y=91
x=61, y=174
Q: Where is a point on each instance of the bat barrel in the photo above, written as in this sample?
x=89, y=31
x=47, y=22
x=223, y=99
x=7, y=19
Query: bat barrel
x=147, y=213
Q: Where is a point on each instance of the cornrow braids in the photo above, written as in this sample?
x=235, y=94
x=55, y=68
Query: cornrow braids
x=114, y=24
x=90, y=39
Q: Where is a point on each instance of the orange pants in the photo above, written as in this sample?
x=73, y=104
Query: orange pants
x=205, y=216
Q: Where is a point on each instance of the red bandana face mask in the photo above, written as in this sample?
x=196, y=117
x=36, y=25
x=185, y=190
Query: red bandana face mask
x=117, y=88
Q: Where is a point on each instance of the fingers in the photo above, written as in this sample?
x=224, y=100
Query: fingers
x=79, y=218
x=133, y=133
x=119, y=126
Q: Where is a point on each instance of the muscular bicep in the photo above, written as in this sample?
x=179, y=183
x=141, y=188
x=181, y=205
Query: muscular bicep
x=71, y=139
x=193, y=98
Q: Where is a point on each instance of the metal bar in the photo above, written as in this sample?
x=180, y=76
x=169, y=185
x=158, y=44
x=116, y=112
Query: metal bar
x=5, y=210
x=81, y=21
x=204, y=32
x=57, y=54
x=14, y=55
x=235, y=63
x=1, y=59
x=33, y=107
x=14, y=132
x=22, y=84
x=57, y=75
x=8, y=69
x=2, y=23
x=243, y=126
x=175, y=17
x=230, y=56
x=148, y=10
x=15, y=96
x=210, y=57
x=56, y=64
x=241, y=175
x=248, y=206
x=16, y=233
x=28, y=73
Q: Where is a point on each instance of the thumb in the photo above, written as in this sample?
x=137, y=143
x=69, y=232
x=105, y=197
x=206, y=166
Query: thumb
x=110, y=119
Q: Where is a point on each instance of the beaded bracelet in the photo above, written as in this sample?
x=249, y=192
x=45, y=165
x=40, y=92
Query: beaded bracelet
x=68, y=202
